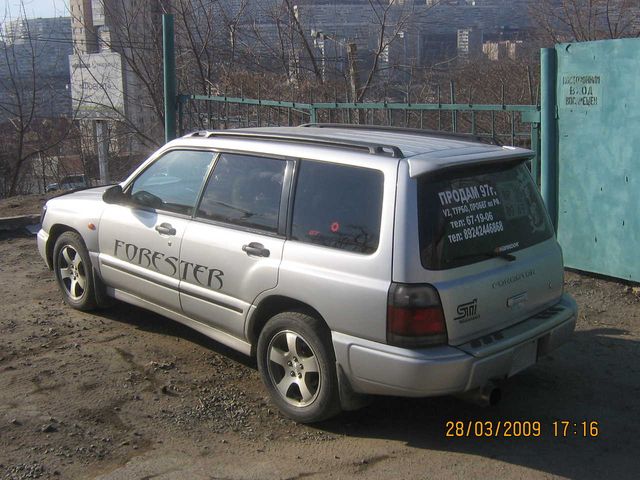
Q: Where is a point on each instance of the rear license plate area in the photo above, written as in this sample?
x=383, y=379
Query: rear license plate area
x=524, y=356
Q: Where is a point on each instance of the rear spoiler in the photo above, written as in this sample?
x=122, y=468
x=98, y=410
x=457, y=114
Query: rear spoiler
x=447, y=160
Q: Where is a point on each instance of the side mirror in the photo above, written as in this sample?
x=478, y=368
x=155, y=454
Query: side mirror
x=113, y=195
x=143, y=198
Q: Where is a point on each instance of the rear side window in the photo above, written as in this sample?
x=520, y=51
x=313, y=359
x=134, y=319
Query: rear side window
x=244, y=190
x=338, y=206
x=469, y=216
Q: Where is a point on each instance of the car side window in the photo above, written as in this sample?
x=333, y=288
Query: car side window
x=338, y=206
x=244, y=190
x=173, y=181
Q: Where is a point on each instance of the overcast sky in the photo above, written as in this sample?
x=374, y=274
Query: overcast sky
x=34, y=8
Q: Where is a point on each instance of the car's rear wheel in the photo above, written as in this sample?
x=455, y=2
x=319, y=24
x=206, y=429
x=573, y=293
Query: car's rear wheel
x=72, y=268
x=297, y=365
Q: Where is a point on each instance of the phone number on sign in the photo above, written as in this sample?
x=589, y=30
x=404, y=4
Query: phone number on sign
x=520, y=428
x=482, y=230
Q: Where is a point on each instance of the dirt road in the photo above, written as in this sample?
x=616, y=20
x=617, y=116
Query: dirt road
x=124, y=394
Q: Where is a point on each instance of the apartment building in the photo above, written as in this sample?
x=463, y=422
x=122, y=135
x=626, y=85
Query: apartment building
x=35, y=48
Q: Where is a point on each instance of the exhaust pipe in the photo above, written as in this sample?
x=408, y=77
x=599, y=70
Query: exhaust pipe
x=485, y=396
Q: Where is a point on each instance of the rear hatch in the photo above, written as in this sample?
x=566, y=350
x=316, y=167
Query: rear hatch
x=487, y=245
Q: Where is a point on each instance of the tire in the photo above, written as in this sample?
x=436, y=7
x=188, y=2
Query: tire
x=297, y=365
x=73, y=270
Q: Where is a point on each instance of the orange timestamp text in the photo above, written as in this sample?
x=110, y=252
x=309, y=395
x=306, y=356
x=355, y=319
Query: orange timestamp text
x=521, y=428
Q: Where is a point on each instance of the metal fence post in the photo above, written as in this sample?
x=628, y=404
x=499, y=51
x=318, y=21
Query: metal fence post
x=454, y=113
x=535, y=146
x=181, y=99
x=169, y=71
x=548, y=127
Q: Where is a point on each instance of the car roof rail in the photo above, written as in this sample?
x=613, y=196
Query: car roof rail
x=411, y=131
x=289, y=136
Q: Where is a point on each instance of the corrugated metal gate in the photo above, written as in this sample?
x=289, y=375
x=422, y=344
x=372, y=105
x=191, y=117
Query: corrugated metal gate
x=598, y=121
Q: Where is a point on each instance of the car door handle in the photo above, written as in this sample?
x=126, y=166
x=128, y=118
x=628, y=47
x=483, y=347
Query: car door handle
x=165, y=229
x=256, y=249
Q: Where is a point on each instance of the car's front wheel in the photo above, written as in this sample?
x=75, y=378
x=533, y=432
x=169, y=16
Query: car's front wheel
x=72, y=268
x=297, y=365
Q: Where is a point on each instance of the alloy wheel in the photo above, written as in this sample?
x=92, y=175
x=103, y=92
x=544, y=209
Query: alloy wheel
x=293, y=368
x=72, y=272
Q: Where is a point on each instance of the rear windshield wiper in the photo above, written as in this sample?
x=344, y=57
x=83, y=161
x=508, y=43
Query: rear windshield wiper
x=491, y=254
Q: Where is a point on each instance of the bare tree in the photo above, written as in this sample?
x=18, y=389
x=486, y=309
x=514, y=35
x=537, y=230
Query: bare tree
x=585, y=20
x=388, y=27
x=136, y=34
x=208, y=40
x=299, y=30
x=28, y=131
x=273, y=39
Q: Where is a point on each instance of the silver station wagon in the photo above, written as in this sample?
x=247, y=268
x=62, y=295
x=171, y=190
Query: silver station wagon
x=351, y=261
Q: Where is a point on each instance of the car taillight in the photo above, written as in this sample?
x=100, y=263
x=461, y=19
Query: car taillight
x=414, y=316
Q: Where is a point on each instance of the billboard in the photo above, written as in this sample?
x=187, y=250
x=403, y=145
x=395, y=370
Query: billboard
x=97, y=87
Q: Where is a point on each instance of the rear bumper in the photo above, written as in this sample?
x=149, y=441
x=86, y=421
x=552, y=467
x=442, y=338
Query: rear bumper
x=380, y=369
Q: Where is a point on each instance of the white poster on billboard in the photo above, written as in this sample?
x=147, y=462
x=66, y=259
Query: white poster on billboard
x=97, y=86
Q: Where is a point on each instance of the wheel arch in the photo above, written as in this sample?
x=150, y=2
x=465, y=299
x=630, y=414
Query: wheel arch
x=54, y=233
x=100, y=294
x=273, y=305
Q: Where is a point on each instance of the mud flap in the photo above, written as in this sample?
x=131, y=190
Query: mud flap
x=102, y=299
x=350, y=400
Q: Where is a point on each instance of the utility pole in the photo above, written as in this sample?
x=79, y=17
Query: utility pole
x=169, y=71
x=352, y=54
x=103, y=151
x=319, y=41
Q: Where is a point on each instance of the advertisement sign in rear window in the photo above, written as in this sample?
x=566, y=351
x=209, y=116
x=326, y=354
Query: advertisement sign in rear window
x=469, y=216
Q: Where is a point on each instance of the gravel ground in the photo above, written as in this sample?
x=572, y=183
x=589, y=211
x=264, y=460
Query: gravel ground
x=123, y=393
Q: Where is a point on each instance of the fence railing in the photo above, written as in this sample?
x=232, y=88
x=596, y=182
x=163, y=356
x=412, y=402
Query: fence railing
x=516, y=125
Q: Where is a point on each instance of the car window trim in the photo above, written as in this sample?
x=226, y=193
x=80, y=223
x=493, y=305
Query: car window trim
x=235, y=226
x=292, y=194
x=285, y=199
x=205, y=182
x=169, y=213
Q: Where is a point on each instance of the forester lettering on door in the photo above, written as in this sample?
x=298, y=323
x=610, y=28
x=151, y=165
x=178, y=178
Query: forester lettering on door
x=203, y=275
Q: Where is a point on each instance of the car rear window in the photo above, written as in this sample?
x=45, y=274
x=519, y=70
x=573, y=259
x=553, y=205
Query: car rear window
x=471, y=215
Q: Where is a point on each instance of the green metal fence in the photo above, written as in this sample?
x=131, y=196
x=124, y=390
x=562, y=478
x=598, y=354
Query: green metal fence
x=517, y=125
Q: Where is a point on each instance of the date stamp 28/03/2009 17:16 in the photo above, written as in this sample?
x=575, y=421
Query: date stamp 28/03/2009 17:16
x=521, y=428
